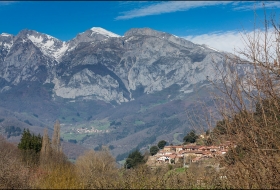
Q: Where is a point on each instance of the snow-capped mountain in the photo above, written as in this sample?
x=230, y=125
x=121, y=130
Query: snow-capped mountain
x=43, y=49
x=98, y=64
x=52, y=46
x=93, y=35
x=144, y=81
x=103, y=32
x=49, y=46
x=142, y=58
x=6, y=42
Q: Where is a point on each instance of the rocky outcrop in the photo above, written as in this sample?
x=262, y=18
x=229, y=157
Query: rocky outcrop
x=140, y=85
x=101, y=65
x=142, y=59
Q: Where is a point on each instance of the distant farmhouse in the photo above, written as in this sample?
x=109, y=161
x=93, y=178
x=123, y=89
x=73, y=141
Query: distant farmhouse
x=178, y=153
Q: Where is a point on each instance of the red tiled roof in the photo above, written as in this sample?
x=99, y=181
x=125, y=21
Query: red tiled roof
x=194, y=151
x=193, y=146
x=206, y=152
x=173, y=156
x=175, y=146
x=196, y=159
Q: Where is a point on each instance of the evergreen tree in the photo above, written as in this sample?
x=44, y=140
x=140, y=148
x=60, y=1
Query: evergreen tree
x=25, y=140
x=134, y=159
x=30, y=146
x=30, y=142
x=190, y=137
x=154, y=150
x=161, y=144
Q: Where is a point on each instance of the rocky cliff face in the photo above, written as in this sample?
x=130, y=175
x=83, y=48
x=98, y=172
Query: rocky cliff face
x=137, y=85
x=100, y=65
x=23, y=61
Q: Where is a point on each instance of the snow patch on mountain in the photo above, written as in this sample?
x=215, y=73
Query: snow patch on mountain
x=60, y=52
x=5, y=34
x=212, y=48
x=7, y=45
x=34, y=39
x=49, y=45
x=103, y=32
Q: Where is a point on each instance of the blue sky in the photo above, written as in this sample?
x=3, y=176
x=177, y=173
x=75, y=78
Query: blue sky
x=215, y=23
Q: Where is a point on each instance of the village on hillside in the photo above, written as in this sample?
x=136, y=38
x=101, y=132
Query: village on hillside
x=187, y=154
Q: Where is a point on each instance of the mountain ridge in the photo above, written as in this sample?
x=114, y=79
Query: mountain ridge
x=138, y=84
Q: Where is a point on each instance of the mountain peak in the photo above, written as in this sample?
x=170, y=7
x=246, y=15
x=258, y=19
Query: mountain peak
x=6, y=34
x=25, y=32
x=49, y=45
x=104, y=32
x=144, y=31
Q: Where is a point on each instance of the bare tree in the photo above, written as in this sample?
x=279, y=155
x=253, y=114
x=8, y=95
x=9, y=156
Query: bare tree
x=250, y=107
x=46, y=149
x=97, y=170
x=56, y=137
x=13, y=173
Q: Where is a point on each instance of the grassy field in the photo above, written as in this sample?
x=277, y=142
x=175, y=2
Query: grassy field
x=67, y=117
x=175, y=140
x=101, y=125
x=139, y=122
x=145, y=108
x=74, y=136
x=180, y=170
x=96, y=124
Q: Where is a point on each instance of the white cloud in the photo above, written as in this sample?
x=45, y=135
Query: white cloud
x=175, y=6
x=6, y=2
x=167, y=7
x=234, y=41
x=257, y=5
x=226, y=41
